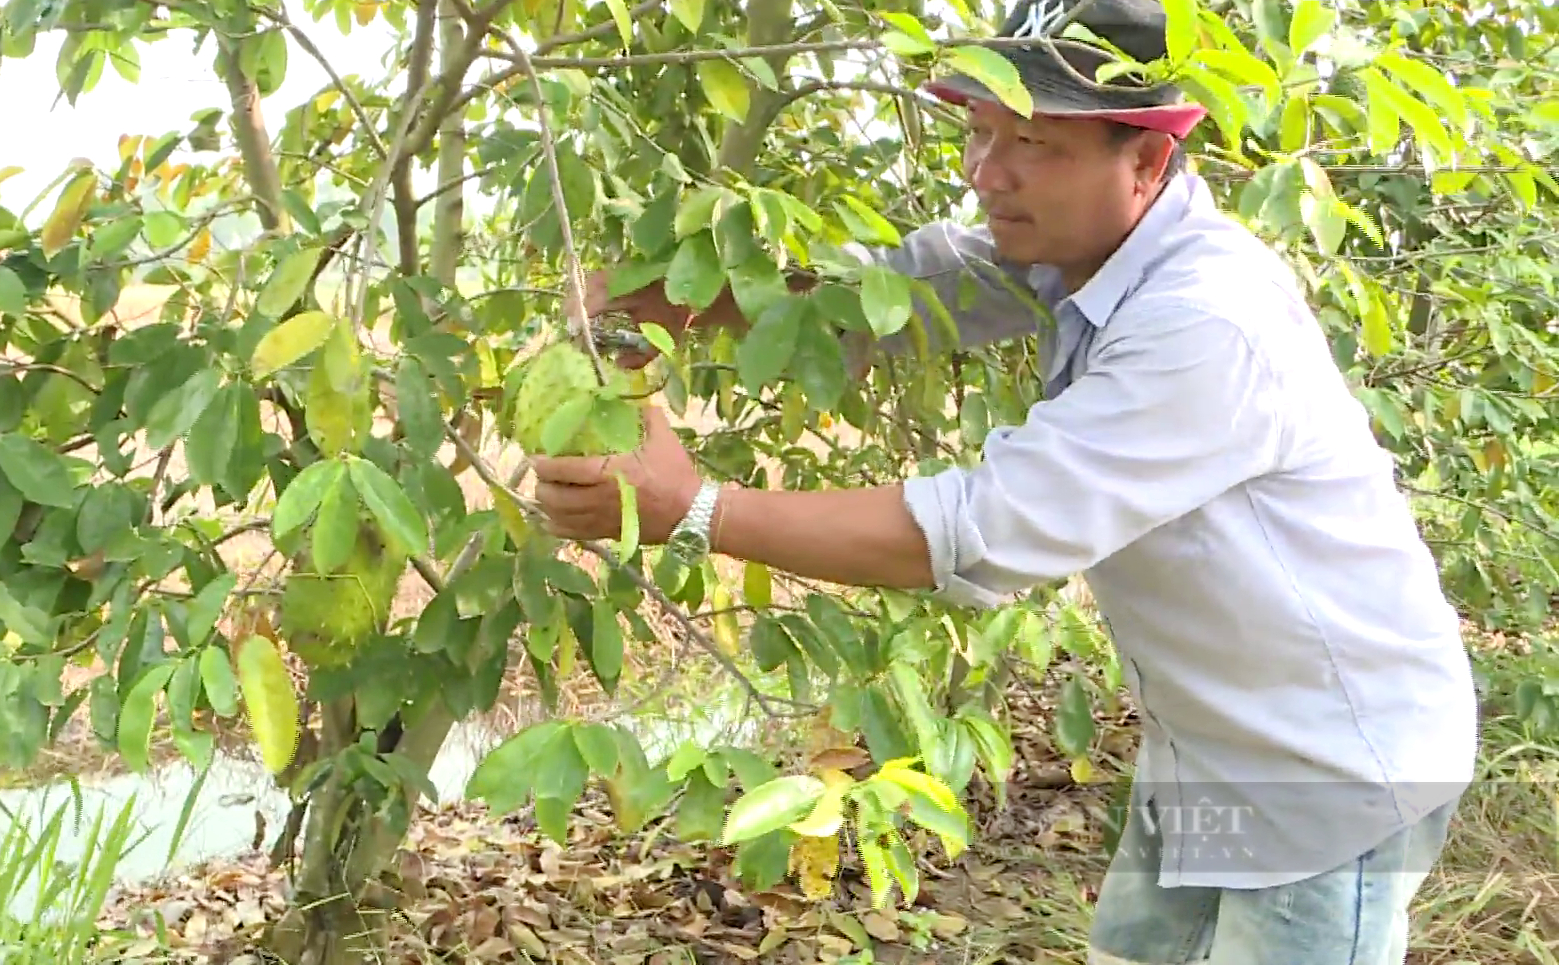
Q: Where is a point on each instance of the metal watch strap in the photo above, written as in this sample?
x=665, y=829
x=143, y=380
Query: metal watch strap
x=700, y=515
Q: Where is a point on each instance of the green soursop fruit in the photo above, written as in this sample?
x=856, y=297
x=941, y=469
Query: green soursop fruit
x=327, y=616
x=562, y=377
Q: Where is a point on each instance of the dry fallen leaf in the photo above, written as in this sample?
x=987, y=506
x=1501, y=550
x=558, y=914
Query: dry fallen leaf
x=880, y=926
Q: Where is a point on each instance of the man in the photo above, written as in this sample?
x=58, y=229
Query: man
x=1309, y=719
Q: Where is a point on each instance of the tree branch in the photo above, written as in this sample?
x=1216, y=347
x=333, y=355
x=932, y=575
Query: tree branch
x=254, y=144
x=449, y=212
x=447, y=83
x=419, y=60
x=603, y=29
x=768, y=23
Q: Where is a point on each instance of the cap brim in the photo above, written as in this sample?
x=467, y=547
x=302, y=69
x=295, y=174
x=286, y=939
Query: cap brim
x=1058, y=95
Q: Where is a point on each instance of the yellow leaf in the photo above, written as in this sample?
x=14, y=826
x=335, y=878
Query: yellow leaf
x=365, y=13
x=1082, y=770
x=725, y=87
x=510, y=516
x=757, y=586
x=270, y=703
x=291, y=340
x=9, y=171
x=1494, y=453
x=68, y=212
x=727, y=630
x=200, y=247
x=814, y=861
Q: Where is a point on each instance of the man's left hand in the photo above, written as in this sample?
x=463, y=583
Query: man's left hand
x=582, y=499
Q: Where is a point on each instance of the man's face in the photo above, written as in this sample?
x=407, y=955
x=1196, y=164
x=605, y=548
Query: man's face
x=1055, y=191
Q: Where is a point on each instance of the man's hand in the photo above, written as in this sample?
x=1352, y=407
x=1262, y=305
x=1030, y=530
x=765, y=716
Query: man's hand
x=582, y=499
x=648, y=304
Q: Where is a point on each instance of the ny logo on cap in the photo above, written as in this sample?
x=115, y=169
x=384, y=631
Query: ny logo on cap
x=1044, y=16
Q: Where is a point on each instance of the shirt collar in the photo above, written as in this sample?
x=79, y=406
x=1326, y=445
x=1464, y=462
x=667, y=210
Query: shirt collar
x=1109, y=286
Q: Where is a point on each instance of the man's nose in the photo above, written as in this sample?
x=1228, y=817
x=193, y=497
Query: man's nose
x=989, y=174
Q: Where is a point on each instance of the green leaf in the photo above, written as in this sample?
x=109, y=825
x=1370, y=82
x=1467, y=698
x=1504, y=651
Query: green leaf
x=757, y=586
x=1074, y=727
x=910, y=38
x=203, y=611
x=214, y=436
x=885, y=299
x=1327, y=222
x=504, y=777
x=1179, y=29
x=565, y=423
x=28, y=623
x=904, y=44
x=660, y=338
x=698, y=814
x=696, y=210
x=137, y=714
x=13, y=294
x=597, y=743
x=335, y=528
x=38, y=472
x=288, y=283
x=628, y=507
x=416, y=399
x=725, y=87
x=771, y=806
x=690, y=12
x=624, y=23
x=175, y=413
x=290, y=341
x=390, y=505
x=695, y=276
x=996, y=72
x=767, y=347
x=302, y=496
x=216, y=677
x=606, y=644
x=865, y=224
x=1313, y=19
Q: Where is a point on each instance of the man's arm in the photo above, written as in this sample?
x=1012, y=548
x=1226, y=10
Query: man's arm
x=1178, y=409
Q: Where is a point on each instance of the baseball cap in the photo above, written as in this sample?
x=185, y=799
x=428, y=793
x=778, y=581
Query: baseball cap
x=1059, y=71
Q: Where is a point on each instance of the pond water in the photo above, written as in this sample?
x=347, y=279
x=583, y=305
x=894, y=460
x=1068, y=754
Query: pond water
x=222, y=821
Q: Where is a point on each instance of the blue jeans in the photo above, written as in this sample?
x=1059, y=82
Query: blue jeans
x=1355, y=914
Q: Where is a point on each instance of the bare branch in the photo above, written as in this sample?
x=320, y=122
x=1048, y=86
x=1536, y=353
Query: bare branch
x=603, y=29
x=579, y=324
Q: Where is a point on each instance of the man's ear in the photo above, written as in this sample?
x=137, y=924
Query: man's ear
x=1154, y=149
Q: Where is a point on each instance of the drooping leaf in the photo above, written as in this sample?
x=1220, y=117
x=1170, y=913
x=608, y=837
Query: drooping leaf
x=770, y=806
x=270, y=702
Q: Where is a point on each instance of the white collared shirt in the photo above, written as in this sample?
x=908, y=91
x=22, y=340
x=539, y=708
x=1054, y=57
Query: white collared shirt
x=1200, y=459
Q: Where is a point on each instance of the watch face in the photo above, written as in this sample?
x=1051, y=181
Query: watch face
x=687, y=545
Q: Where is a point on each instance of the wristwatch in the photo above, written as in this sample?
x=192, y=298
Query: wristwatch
x=689, y=540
